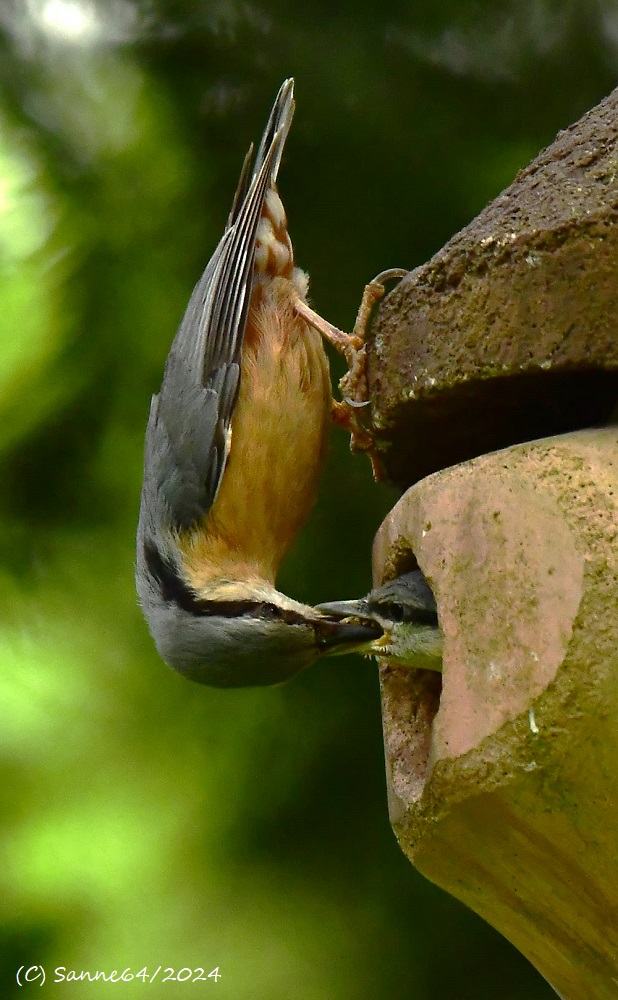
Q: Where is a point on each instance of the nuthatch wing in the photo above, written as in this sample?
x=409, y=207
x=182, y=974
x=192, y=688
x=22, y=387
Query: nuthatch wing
x=405, y=609
x=233, y=451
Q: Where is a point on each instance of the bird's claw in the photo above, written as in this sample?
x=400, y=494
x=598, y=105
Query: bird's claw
x=353, y=385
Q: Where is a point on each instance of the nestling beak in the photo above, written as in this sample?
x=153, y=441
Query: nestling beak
x=405, y=609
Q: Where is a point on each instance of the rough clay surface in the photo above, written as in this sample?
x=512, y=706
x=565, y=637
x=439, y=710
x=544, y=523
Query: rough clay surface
x=509, y=332
x=504, y=777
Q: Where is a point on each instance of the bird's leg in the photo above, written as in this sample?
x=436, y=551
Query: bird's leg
x=352, y=347
x=332, y=334
x=353, y=385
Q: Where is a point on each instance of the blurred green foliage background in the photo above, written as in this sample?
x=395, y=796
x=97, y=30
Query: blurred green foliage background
x=147, y=821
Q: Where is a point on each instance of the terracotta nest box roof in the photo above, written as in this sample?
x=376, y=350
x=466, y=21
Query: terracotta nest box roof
x=510, y=332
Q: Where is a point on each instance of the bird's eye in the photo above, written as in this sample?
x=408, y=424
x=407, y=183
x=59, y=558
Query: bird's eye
x=394, y=612
x=270, y=611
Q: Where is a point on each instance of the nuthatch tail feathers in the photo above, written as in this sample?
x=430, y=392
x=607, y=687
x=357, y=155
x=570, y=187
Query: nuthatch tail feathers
x=233, y=451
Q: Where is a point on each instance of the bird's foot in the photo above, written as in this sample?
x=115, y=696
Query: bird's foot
x=347, y=414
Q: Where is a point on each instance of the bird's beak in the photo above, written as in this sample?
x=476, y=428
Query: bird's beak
x=342, y=636
x=380, y=646
x=347, y=609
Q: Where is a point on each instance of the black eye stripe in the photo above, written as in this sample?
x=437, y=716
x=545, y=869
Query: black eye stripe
x=396, y=612
x=172, y=586
x=174, y=589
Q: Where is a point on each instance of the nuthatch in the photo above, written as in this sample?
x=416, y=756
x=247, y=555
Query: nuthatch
x=405, y=609
x=234, y=448
x=233, y=451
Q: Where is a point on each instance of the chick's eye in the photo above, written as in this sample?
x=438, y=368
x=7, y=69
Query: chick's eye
x=389, y=609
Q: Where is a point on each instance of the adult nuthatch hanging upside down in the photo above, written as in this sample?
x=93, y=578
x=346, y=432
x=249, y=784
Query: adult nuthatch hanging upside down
x=233, y=451
x=405, y=609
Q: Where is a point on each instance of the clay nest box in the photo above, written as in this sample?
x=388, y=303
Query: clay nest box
x=493, y=379
x=510, y=332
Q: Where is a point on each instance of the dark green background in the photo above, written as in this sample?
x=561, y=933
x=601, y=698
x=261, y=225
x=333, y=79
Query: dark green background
x=147, y=821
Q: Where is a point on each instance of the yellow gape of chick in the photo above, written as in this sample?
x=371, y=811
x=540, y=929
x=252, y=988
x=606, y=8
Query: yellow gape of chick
x=233, y=453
